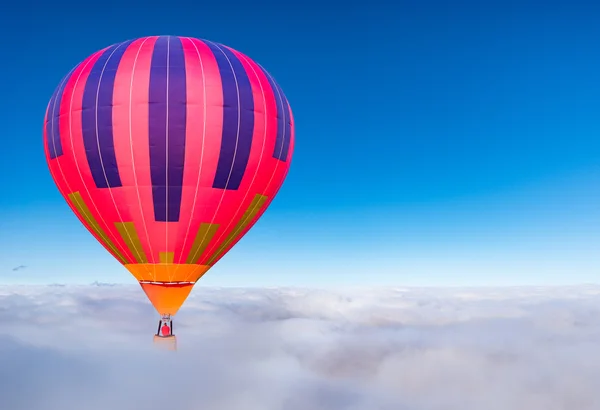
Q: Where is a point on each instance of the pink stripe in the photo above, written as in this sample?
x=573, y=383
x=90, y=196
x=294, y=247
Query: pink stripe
x=276, y=184
x=236, y=202
x=259, y=138
x=127, y=147
x=203, y=141
x=272, y=172
x=141, y=151
x=98, y=201
x=268, y=164
x=63, y=168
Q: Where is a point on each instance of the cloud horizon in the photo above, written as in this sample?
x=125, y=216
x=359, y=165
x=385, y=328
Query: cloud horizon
x=90, y=346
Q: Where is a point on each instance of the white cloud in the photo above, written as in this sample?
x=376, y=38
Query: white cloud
x=89, y=347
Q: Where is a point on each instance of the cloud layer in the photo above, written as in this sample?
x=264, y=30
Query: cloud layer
x=89, y=347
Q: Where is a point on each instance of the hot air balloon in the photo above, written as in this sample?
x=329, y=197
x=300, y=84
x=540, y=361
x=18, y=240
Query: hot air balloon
x=168, y=149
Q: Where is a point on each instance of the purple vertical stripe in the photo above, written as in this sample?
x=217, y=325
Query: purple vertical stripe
x=284, y=121
x=238, y=119
x=96, y=117
x=167, y=126
x=53, y=120
x=287, y=131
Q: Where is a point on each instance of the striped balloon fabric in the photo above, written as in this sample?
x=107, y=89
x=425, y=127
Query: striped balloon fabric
x=168, y=149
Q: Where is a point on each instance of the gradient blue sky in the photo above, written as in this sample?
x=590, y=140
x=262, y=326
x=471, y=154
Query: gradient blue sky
x=437, y=142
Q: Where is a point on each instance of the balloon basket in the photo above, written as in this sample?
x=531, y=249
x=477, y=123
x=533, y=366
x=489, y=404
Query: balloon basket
x=164, y=337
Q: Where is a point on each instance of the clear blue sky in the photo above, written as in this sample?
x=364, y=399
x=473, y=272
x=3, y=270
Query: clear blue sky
x=436, y=142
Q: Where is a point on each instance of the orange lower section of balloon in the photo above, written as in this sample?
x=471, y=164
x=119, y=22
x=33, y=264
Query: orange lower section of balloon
x=167, y=285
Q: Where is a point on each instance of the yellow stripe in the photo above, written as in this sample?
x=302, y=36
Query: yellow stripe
x=257, y=203
x=165, y=257
x=84, y=211
x=132, y=240
x=203, y=237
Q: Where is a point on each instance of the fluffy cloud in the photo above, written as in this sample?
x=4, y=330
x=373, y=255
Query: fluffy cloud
x=89, y=347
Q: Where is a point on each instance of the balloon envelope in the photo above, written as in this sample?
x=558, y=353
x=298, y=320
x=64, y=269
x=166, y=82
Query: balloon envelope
x=168, y=149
